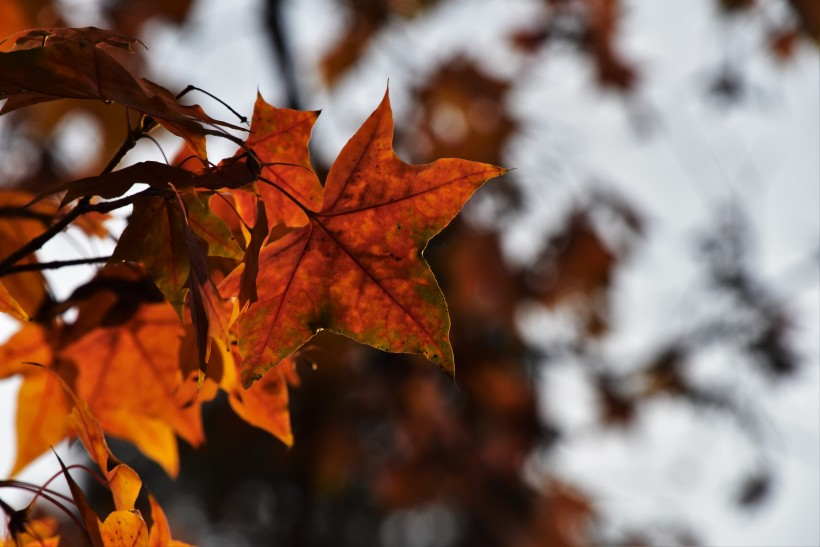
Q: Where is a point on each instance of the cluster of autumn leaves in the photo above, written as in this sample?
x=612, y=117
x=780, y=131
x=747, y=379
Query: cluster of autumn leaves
x=123, y=526
x=222, y=271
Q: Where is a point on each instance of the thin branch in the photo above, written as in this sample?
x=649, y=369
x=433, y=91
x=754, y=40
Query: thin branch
x=35, y=490
x=190, y=88
x=83, y=207
x=18, y=212
x=54, y=265
x=36, y=243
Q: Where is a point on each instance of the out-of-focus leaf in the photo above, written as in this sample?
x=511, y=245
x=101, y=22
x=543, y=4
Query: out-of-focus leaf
x=265, y=403
x=49, y=64
x=367, y=17
x=12, y=19
x=809, y=14
x=10, y=306
x=41, y=416
x=576, y=268
x=129, y=375
x=132, y=15
x=37, y=532
x=28, y=345
x=27, y=288
x=160, y=533
x=463, y=114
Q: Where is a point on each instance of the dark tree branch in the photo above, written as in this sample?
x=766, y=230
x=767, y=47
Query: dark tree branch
x=83, y=207
x=281, y=50
x=39, y=266
x=19, y=212
x=190, y=88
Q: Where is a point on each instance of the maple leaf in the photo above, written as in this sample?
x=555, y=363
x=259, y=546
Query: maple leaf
x=90, y=522
x=54, y=63
x=163, y=235
x=259, y=233
x=154, y=237
x=129, y=375
x=356, y=268
x=124, y=526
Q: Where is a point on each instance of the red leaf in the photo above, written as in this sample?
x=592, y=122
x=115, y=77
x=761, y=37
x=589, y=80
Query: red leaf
x=356, y=268
x=279, y=138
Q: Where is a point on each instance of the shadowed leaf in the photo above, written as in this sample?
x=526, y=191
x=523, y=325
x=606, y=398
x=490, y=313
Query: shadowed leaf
x=52, y=64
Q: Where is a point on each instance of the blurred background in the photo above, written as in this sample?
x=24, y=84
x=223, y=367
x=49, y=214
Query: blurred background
x=636, y=307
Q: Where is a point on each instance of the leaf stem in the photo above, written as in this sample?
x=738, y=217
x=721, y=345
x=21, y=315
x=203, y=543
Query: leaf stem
x=308, y=212
x=36, y=490
x=190, y=88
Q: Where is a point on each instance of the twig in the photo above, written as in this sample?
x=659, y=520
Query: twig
x=190, y=88
x=53, y=265
x=83, y=207
x=18, y=212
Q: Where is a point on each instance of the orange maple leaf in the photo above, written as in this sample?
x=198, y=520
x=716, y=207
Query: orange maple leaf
x=129, y=374
x=356, y=267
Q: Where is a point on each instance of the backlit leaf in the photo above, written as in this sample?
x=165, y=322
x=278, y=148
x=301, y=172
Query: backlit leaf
x=125, y=486
x=129, y=375
x=210, y=228
x=356, y=268
x=247, y=283
x=265, y=403
x=155, y=237
x=280, y=136
x=41, y=420
x=124, y=529
x=10, y=306
x=160, y=533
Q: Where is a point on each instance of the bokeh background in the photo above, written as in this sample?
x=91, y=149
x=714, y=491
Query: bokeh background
x=636, y=307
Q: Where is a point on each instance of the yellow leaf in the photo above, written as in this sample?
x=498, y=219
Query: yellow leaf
x=124, y=529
